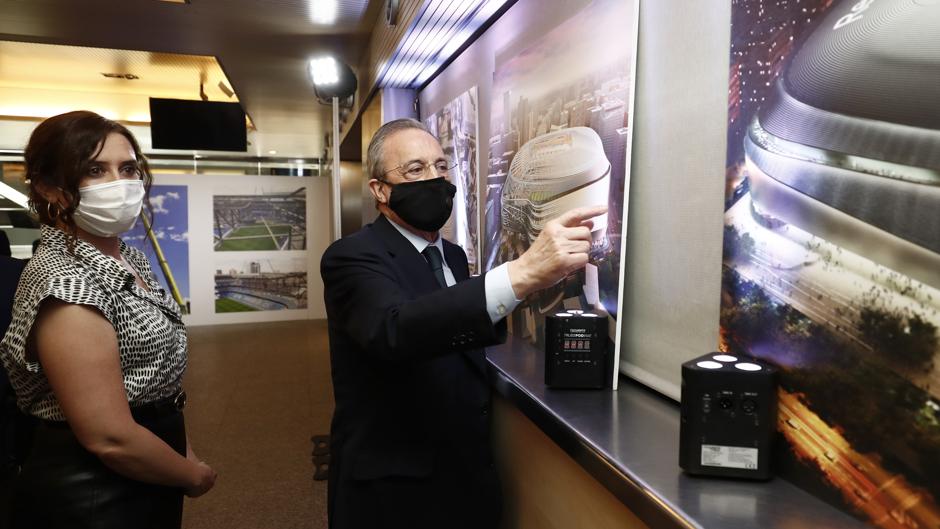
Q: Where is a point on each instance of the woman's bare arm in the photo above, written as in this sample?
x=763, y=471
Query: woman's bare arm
x=77, y=348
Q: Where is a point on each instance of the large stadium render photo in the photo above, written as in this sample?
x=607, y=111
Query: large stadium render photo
x=272, y=220
x=560, y=117
x=260, y=284
x=831, y=248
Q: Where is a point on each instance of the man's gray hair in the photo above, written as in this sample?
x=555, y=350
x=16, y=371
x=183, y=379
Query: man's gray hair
x=374, y=154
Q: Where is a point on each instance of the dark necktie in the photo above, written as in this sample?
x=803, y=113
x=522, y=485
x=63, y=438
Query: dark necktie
x=433, y=255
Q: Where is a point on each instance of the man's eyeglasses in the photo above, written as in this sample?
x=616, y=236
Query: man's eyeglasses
x=417, y=170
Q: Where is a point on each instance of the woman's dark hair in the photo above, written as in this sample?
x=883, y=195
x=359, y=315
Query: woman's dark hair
x=59, y=154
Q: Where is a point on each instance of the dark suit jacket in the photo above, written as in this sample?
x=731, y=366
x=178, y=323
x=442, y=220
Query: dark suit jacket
x=410, y=433
x=10, y=270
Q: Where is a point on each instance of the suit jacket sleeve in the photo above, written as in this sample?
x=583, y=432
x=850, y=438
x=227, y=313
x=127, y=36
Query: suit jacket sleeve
x=367, y=302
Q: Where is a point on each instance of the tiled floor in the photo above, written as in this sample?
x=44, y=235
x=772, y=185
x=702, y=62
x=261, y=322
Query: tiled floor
x=257, y=392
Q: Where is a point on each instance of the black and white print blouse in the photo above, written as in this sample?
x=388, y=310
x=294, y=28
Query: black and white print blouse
x=151, y=336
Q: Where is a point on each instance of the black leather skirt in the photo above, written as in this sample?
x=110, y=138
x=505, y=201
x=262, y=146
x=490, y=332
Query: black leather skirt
x=62, y=485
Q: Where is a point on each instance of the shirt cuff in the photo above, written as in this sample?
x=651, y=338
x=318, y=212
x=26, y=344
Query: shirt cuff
x=500, y=298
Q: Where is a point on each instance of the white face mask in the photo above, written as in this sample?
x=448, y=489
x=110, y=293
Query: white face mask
x=107, y=210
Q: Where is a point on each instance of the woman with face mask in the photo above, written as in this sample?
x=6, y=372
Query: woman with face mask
x=96, y=349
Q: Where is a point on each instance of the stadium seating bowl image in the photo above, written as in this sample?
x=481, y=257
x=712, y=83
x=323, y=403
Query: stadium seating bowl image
x=848, y=145
x=260, y=291
x=274, y=221
x=552, y=174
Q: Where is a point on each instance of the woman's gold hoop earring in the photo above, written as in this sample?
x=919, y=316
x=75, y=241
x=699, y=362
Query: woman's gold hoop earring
x=49, y=214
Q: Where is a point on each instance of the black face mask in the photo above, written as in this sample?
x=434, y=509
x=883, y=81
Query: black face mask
x=425, y=204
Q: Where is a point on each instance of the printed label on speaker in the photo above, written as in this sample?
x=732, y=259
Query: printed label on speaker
x=729, y=456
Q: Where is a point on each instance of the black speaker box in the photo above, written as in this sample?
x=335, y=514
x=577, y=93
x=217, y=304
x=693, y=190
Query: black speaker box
x=576, y=350
x=729, y=416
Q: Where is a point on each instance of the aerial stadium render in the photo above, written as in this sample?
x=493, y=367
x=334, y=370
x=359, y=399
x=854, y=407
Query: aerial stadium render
x=273, y=221
x=255, y=290
x=831, y=255
x=849, y=151
x=551, y=174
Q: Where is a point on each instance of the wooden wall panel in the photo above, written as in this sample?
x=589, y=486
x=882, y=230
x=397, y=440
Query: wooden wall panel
x=543, y=487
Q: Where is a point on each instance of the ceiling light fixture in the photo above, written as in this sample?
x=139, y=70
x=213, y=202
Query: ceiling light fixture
x=439, y=29
x=323, y=11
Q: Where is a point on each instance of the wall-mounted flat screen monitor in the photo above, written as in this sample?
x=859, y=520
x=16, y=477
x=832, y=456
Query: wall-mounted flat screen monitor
x=197, y=125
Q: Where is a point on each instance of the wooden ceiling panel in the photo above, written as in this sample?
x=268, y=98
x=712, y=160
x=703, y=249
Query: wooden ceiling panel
x=77, y=68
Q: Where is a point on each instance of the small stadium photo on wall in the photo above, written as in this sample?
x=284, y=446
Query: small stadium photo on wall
x=269, y=220
x=260, y=284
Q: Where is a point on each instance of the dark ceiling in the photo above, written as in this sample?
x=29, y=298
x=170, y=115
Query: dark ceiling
x=262, y=45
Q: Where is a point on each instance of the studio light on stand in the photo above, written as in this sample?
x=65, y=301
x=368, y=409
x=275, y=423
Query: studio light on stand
x=332, y=79
x=334, y=83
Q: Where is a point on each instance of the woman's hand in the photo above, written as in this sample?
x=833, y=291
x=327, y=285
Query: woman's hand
x=205, y=479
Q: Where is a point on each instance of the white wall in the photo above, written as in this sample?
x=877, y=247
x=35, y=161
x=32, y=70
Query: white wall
x=203, y=260
x=673, y=262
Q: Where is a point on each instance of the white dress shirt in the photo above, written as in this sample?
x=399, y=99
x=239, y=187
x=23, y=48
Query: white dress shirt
x=500, y=298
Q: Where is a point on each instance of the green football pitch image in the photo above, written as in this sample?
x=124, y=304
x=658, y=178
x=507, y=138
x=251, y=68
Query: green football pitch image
x=257, y=237
x=230, y=305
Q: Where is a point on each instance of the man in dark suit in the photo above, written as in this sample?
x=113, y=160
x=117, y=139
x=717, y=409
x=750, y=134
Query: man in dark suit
x=410, y=433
